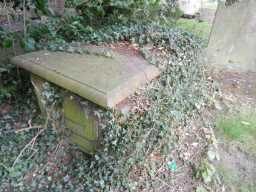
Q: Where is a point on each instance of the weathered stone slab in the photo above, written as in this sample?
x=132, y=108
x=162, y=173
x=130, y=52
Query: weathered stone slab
x=103, y=80
x=233, y=40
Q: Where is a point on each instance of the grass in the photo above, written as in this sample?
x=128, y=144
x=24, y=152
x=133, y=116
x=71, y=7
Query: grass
x=239, y=127
x=201, y=29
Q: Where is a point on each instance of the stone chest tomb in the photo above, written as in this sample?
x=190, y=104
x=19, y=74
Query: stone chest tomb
x=99, y=80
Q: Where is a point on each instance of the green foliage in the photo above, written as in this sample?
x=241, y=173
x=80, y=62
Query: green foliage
x=175, y=96
x=6, y=39
x=7, y=81
x=93, y=14
x=7, y=92
x=13, y=177
x=206, y=172
x=201, y=189
x=41, y=5
x=7, y=43
x=180, y=91
x=98, y=12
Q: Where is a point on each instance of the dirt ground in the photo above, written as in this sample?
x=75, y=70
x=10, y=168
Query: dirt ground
x=237, y=166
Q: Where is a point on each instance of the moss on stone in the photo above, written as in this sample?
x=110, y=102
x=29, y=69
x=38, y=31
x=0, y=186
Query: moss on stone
x=37, y=83
x=89, y=147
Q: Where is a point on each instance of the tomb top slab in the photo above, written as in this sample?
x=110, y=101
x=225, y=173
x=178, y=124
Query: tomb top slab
x=103, y=80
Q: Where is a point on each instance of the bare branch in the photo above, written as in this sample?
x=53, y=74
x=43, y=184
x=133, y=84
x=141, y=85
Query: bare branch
x=29, y=128
x=31, y=143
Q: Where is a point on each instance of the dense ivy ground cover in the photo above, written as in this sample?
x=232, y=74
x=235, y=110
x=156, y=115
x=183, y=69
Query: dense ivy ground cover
x=180, y=91
x=50, y=164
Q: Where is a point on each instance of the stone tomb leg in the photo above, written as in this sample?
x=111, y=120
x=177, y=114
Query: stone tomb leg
x=93, y=82
x=80, y=122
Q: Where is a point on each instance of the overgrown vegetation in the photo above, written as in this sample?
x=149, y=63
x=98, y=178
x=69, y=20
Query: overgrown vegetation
x=96, y=12
x=179, y=93
x=173, y=98
x=90, y=15
x=8, y=82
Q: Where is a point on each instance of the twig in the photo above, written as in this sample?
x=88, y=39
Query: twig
x=55, y=154
x=7, y=14
x=27, y=146
x=35, y=151
x=31, y=143
x=33, y=140
x=29, y=128
x=24, y=18
x=4, y=166
x=164, y=183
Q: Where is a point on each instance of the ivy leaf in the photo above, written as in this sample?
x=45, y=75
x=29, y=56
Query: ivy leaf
x=28, y=44
x=200, y=189
x=172, y=165
x=7, y=43
x=42, y=6
x=206, y=172
x=2, y=70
